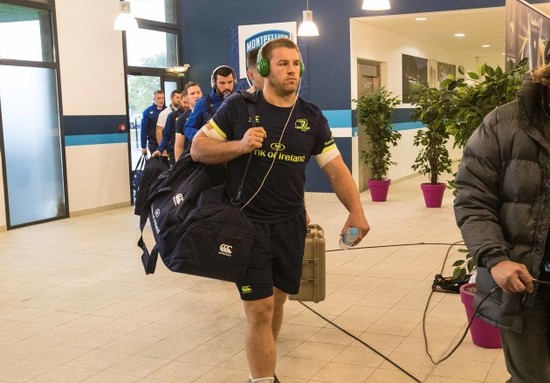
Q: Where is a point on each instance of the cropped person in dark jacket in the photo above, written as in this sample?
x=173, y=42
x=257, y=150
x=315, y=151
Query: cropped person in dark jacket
x=503, y=211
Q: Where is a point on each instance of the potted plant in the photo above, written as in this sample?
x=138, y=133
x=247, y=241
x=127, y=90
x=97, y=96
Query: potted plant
x=431, y=108
x=471, y=101
x=461, y=282
x=374, y=111
x=480, y=93
x=486, y=90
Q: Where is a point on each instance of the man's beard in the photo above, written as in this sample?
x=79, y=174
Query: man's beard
x=224, y=94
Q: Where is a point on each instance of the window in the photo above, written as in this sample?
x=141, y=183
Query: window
x=156, y=10
x=26, y=27
x=153, y=49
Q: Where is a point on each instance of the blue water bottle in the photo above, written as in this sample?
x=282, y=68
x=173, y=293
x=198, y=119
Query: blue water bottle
x=349, y=238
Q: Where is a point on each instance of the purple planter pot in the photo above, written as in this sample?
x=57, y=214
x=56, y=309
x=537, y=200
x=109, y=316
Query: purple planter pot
x=379, y=189
x=483, y=334
x=433, y=194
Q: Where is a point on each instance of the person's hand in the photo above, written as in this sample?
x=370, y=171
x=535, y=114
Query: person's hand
x=253, y=139
x=144, y=151
x=156, y=153
x=359, y=221
x=512, y=277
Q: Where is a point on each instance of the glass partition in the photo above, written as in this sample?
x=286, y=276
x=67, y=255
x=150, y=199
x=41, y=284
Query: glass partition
x=32, y=144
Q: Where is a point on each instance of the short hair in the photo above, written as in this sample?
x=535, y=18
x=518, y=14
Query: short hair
x=160, y=91
x=189, y=85
x=279, y=42
x=174, y=92
x=223, y=71
x=252, y=58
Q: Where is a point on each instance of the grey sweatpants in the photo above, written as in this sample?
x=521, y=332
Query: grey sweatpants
x=527, y=354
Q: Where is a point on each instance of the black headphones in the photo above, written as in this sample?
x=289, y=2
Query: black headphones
x=214, y=74
x=262, y=64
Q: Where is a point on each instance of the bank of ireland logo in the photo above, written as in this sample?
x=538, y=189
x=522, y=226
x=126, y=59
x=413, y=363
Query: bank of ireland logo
x=302, y=125
x=278, y=147
x=255, y=123
x=225, y=250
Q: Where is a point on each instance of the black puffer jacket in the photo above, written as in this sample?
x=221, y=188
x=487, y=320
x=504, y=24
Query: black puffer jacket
x=503, y=201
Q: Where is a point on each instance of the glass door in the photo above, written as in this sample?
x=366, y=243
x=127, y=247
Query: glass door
x=368, y=81
x=141, y=90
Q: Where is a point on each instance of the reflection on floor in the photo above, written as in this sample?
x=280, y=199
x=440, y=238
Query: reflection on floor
x=76, y=306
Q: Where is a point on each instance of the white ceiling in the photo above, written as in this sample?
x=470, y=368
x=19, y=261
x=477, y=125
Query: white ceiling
x=481, y=26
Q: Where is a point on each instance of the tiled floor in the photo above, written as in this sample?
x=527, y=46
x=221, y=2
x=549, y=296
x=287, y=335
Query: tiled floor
x=76, y=306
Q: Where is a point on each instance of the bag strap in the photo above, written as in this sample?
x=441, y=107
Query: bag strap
x=141, y=162
x=250, y=100
x=149, y=260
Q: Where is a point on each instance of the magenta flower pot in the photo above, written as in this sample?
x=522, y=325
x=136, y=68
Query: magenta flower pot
x=483, y=334
x=433, y=194
x=379, y=189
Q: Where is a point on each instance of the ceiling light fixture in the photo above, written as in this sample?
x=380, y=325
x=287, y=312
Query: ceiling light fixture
x=180, y=70
x=376, y=5
x=125, y=21
x=421, y=18
x=460, y=34
x=308, y=27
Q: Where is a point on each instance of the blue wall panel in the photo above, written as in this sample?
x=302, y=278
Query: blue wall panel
x=93, y=130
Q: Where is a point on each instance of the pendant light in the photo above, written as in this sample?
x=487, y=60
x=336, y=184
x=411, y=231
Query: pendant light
x=125, y=21
x=376, y=5
x=308, y=27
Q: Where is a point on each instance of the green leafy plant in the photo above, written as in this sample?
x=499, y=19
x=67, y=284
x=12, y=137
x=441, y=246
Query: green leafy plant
x=472, y=100
x=463, y=268
x=374, y=112
x=478, y=94
x=456, y=109
x=431, y=108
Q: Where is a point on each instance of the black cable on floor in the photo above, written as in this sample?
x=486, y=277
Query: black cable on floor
x=451, y=245
x=445, y=357
x=396, y=245
x=425, y=313
x=363, y=343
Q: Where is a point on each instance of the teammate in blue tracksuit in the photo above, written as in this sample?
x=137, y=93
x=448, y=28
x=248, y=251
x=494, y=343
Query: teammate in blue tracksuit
x=223, y=83
x=149, y=123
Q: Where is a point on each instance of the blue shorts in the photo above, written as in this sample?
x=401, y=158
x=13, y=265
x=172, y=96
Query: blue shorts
x=276, y=260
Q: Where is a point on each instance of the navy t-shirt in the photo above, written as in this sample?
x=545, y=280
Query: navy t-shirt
x=307, y=133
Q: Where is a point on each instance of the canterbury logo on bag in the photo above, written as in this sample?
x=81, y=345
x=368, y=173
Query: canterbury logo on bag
x=226, y=250
x=177, y=199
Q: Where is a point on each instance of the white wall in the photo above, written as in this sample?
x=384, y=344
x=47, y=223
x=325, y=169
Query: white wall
x=98, y=176
x=92, y=83
x=375, y=44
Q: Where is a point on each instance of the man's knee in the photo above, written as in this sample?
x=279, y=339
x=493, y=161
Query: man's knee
x=260, y=311
x=279, y=297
